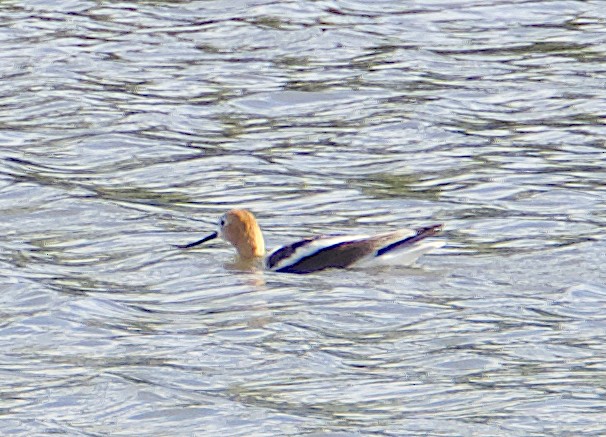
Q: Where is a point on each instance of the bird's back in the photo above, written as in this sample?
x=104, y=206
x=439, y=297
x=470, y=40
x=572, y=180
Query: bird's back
x=323, y=252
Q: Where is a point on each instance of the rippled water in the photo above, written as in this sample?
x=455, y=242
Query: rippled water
x=127, y=127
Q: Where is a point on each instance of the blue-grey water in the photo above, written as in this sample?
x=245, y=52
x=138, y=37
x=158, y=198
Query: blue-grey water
x=127, y=127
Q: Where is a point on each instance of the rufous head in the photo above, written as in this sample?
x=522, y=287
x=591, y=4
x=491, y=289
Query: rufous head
x=240, y=228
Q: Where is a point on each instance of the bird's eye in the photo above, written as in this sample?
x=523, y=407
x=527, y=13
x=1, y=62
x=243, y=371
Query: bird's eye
x=222, y=222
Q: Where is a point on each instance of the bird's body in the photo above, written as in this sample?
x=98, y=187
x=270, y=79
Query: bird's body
x=401, y=247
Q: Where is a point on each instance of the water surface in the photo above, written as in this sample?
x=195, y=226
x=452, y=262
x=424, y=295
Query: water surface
x=127, y=127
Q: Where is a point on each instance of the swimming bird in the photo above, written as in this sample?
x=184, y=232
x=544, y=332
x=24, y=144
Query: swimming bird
x=401, y=247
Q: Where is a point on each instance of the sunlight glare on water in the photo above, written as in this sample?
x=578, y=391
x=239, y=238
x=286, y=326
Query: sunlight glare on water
x=128, y=127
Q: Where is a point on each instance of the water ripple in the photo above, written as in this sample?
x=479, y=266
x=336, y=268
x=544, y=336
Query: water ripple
x=127, y=128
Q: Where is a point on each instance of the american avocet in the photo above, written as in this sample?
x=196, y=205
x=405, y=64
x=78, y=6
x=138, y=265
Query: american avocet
x=402, y=247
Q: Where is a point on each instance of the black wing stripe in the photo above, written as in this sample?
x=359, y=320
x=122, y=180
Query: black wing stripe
x=339, y=255
x=286, y=251
x=421, y=234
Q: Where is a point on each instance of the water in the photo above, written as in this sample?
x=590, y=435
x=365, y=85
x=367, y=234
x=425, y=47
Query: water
x=128, y=127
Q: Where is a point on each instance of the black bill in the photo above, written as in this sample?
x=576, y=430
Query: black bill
x=195, y=243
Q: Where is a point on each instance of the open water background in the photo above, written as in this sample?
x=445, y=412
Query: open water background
x=126, y=127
